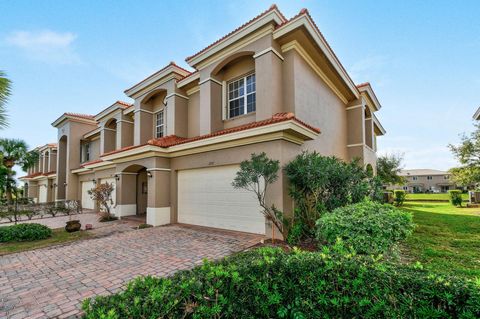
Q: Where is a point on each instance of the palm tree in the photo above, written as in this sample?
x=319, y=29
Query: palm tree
x=4, y=94
x=15, y=152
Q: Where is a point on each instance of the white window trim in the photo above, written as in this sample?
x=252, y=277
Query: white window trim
x=164, y=125
x=225, y=99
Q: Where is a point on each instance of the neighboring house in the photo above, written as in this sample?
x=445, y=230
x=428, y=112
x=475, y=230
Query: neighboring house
x=426, y=180
x=273, y=85
x=40, y=181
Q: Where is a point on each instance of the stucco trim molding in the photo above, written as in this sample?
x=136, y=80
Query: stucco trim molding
x=157, y=216
x=210, y=79
x=270, y=49
x=125, y=173
x=176, y=94
x=356, y=145
x=159, y=169
x=355, y=107
x=294, y=45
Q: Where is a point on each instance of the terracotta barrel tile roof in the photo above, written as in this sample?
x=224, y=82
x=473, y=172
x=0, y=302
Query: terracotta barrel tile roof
x=126, y=148
x=81, y=116
x=125, y=104
x=173, y=140
x=91, y=162
x=32, y=175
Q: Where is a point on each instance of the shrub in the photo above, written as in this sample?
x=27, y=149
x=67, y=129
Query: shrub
x=24, y=232
x=143, y=226
x=367, y=227
x=399, y=197
x=319, y=184
x=269, y=283
x=455, y=197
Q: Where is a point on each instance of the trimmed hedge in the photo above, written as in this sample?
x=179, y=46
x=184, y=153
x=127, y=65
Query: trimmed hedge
x=24, y=232
x=367, y=227
x=269, y=283
x=399, y=196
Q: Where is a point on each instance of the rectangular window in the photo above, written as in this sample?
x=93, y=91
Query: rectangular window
x=159, y=124
x=414, y=178
x=446, y=177
x=241, y=96
x=87, y=152
x=429, y=177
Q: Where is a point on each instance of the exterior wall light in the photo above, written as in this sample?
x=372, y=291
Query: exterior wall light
x=117, y=177
x=149, y=174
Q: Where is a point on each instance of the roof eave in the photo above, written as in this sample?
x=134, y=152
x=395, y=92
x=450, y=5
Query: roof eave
x=303, y=20
x=273, y=16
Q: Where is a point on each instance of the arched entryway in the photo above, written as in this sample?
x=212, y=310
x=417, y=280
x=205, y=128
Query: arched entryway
x=132, y=191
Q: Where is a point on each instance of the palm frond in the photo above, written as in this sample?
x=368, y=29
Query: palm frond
x=5, y=91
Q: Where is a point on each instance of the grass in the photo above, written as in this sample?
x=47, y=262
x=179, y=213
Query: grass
x=442, y=196
x=447, y=238
x=59, y=236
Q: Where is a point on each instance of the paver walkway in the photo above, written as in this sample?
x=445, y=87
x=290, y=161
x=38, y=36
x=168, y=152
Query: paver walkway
x=52, y=282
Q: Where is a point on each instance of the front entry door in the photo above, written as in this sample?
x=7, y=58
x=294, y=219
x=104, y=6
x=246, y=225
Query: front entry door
x=142, y=192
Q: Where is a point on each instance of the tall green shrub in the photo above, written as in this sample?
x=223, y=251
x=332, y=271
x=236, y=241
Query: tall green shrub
x=269, y=283
x=367, y=227
x=319, y=184
x=399, y=197
x=455, y=197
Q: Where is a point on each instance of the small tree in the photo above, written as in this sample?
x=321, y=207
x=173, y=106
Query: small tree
x=456, y=197
x=256, y=175
x=102, y=193
x=399, y=197
x=389, y=167
x=468, y=154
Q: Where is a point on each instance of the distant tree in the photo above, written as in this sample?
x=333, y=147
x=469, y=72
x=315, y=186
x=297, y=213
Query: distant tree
x=4, y=94
x=15, y=152
x=389, y=167
x=468, y=155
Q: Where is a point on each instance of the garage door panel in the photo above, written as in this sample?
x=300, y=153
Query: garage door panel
x=207, y=198
x=87, y=201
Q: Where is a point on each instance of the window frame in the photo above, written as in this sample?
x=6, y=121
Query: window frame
x=156, y=126
x=244, y=96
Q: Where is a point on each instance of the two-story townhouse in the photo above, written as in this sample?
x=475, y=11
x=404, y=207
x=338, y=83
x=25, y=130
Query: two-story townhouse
x=273, y=85
x=425, y=180
x=40, y=179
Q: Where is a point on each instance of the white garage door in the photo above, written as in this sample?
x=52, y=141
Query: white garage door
x=114, y=193
x=206, y=197
x=42, y=193
x=87, y=201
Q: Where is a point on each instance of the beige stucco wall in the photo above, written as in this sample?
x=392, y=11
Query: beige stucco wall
x=194, y=114
x=316, y=104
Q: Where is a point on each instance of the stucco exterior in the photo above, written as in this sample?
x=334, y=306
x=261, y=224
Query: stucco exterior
x=303, y=99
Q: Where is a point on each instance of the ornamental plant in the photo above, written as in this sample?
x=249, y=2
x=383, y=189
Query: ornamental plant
x=102, y=194
x=456, y=197
x=24, y=232
x=271, y=283
x=367, y=227
x=399, y=196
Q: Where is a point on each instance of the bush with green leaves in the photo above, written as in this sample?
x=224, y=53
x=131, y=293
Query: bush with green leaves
x=319, y=184
x=456, y=197
x=399, y=196
x=24, y=232
x=270, y=283
x=366, y=227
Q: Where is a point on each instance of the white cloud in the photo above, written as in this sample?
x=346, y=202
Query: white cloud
x=45, y=46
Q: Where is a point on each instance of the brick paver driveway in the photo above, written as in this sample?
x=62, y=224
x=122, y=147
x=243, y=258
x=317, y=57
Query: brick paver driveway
x=52, y=282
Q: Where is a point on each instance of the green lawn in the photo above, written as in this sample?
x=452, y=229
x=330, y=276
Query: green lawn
x=59, y=236
x=442, y=196
x=447, y=239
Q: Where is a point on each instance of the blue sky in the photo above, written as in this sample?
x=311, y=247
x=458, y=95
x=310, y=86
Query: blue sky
x=422, y=58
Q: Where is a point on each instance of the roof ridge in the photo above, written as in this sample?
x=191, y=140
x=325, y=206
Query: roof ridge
x=270, y=9
x=87, y=116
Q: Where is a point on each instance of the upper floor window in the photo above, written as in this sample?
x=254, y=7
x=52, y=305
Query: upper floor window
x=159, y=124
x=446, y=177
x=414, y=178
x=429, y=177
x=85, y=152
x=241, y=96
